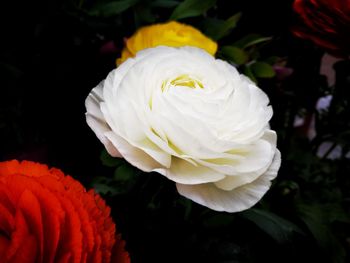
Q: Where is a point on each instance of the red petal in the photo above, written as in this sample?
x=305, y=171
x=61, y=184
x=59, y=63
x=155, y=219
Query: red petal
x=119, y=254
x=71, y=235
x=4, y=244
x=65, y=258
x=27, y=252
x=6, y=198
x=7, y=221
x=53, y=219
x=30, y=207
x=20, y=233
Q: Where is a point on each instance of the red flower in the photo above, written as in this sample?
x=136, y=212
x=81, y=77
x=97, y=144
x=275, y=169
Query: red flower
x=47, y=217
x=326, y=23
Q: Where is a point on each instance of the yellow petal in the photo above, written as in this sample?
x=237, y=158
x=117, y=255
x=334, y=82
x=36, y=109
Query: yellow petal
x=172, y=34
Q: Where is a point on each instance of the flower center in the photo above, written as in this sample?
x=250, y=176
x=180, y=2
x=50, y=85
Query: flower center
x=183, y=81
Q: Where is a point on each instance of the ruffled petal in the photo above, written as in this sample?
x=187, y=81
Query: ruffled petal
x=30, y=207
x=96, y=121
x=133, y=155
x=184, y=172
x=119, y=254
x=236, y=200
x=46, y=216
x=27, y=251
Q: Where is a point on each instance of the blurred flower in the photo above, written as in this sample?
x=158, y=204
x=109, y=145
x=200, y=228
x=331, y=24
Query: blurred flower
x=324, y=103
x=172, y=34
x=108, y=48
x=192, y=118
x=328, y=149
x=282, y=72
x=326, y=23
x=46, y=216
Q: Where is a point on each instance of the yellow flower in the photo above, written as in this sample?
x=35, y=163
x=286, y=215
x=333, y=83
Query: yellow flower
x=172, y=34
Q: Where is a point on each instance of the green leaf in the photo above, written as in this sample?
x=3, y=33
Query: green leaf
x=272, y=60
x=217, y=29
x=124, y=172
x=187, y=205
x=143, y=15
x=316, y=221
x=248, y=72
x=108, y=160
x=288, y=187
x=336, y=213
x=275, y=226
x=251, y=40
x=104, y=189
x=219, y=220
x=124, y=179
x=210, y=27
x=10, y=70
x=191, y=8
x=164, y=3
x=235, y=54
x=262, y=70
x=111, y=8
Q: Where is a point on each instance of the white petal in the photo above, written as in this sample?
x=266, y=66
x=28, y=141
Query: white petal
x=260, y=155
x=96, y=121
x=254, y=160
x=184, y=172
x=132, y=130
x=155, y=152
x=135, y=156
x=236, y=200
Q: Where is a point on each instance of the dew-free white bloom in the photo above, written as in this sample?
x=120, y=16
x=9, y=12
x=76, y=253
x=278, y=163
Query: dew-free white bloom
x=192, y=118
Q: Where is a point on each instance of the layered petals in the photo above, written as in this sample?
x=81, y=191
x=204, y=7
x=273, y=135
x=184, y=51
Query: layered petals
x=47, y=217
x=234, y=200
x=192, y=118
x=172, y=34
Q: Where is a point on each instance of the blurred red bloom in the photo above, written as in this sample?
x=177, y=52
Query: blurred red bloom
x=47, y=217
x=326, y=23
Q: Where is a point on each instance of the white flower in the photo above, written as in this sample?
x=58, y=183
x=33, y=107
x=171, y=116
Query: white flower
x=192, y=118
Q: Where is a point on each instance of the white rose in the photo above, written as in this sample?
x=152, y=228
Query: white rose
x=192, y=118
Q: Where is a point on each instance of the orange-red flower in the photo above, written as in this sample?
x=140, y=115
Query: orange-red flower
x=326, y=23
x=47, y=217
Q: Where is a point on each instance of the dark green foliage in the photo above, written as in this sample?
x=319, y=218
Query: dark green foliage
x=191, y=8
x=235, y=54
x=107, y=9
x=217, y=29
x=251, y=40
x=275, y=226
x=262, y=70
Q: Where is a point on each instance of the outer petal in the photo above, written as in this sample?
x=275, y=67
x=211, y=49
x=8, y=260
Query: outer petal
x=119, y=254
x=257, y=162
x=133, y=155
x=105, y=91
x=256, y=158
x=236, y=200
x=184, y=172
x=96, y=121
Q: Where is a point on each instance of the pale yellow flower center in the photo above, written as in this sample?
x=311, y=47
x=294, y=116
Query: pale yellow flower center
x=183, y=81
